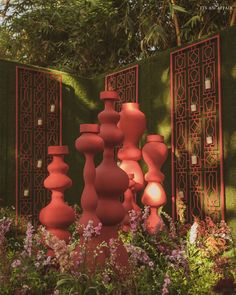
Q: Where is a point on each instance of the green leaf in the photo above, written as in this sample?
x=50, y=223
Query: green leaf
x=193, y=20
x=171, y=9
x=179, y=8
x=64, y=281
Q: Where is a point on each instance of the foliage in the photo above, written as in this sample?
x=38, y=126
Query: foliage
x=182, y=259
x=87, y=37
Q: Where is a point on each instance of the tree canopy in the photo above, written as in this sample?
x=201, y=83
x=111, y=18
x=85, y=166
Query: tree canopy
x=87, y=37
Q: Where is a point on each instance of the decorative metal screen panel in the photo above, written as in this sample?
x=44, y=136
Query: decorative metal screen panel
x=38, y=125
x=125, y=82
x=197, y=153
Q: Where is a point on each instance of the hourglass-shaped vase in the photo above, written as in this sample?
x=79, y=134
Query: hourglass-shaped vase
x=111, y=181
x=57, y=216
x=133, y=124
x=154, y=154
x=89, y=143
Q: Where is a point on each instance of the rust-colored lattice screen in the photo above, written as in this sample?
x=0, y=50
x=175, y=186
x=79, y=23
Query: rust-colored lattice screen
x=197, y=153
x=38, y=125
x=125, y=82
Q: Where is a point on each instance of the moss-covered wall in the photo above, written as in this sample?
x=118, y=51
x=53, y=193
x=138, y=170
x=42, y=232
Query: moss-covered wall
x=81, y=105
x=7, y=132
x=228, y=80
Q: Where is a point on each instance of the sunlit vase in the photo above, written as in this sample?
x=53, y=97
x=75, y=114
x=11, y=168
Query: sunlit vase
x=154, y=154
x=111, y=181
x=133, y=124
x=57, y=216
x=89, y=143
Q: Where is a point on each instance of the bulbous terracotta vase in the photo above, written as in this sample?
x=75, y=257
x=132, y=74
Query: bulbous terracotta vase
x=111, y=181
x=57, y=215
x=154, y=154
x=89, y=143
x=128, y=203
x=133, y=124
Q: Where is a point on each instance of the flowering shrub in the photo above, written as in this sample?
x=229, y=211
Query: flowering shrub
x=182, y=259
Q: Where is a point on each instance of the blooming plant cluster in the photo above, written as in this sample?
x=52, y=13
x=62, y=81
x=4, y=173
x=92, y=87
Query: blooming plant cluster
x=196, y=259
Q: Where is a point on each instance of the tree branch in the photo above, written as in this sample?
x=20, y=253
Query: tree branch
x=233, y=15
x=7, y=3
x=177, y=28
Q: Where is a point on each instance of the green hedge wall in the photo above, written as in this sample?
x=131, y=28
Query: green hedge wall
x=79, y=106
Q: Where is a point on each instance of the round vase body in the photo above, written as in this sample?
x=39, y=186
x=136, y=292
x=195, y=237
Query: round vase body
x=154, y=154
x=154, y=195
x=133, y=167
x=57, y=215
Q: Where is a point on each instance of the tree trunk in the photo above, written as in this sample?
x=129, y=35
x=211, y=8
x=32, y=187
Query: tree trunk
x=176, y=24
x=233, y=15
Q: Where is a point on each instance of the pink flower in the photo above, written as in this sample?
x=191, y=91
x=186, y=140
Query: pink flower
x=16, y=263
x=134, y=220
x=28, y=242
x=165, y=285
x=90, y=230
x=5, y=224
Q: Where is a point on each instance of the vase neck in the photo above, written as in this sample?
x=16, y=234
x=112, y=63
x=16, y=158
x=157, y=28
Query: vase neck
x=130, y=106
x=109, y=104
x=155, y=138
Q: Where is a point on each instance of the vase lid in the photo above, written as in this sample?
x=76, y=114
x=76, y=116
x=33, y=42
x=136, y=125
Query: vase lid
x=58, y=150
x=92, y=128
x=155, y=137
x=109, y=94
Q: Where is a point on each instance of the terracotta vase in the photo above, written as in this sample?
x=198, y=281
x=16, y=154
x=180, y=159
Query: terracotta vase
x=111, y=181
x=89, y=143
x=57, y=216
x=133, y=124
x=154, y=154
x=128, y=203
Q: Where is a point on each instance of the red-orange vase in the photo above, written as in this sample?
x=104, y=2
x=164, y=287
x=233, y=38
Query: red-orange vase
x=57, y=215
x=128, y=203
x=111, y=181
x=133, y=124
x=154, y=154
x=89, y=143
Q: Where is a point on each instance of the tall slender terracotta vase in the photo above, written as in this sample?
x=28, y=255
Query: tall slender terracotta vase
x=154, y=154
x=57, y=215
x=111, y=181
x=133, y=124
x=89, y=143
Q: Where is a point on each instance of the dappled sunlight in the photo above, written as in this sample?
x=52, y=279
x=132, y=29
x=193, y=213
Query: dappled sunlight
x=164, y=129
x=233, y=72
x=165, y=76
x=80, y=91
